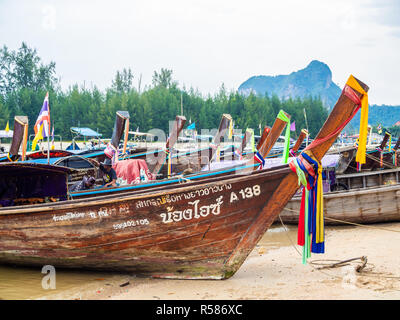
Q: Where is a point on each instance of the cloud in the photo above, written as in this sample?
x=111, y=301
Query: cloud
x=207, y=43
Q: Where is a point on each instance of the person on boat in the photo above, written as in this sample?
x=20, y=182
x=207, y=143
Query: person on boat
x=109, y=174
x=84, y=184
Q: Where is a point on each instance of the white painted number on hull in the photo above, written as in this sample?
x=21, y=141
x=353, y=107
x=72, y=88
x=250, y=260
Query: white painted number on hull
x=246, y=193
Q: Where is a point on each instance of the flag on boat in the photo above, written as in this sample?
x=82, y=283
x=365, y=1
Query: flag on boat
x=259, y=158
x=379, y=129
x=42, y=125
x=7, y=127
x=192, y=126
x=293, y=126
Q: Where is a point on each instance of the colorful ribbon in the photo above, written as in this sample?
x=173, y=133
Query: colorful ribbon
x=311, y=218
x=239, y=154
x=230, y=131
x=252, y=140
x=362, y=145
x=282, y=116
x=169, y=162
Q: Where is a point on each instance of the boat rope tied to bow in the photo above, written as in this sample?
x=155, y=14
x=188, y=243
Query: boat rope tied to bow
x=282, y=116
x=311, y=220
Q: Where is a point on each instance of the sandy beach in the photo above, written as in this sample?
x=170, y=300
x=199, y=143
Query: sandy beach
x=274, y=270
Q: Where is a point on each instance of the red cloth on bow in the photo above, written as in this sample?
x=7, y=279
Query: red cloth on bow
x=129, y=170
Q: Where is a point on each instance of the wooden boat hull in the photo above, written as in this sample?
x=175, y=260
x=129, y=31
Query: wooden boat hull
x=199, y=231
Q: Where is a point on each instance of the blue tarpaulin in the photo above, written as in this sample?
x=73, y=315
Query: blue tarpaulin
x=87, y=132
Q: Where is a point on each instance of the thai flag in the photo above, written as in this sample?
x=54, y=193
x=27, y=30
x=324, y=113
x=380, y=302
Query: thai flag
x=259, y=158
x=44, y=118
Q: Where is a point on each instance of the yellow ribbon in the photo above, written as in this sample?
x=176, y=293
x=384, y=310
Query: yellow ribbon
x=320, y=209
x=218, y=155
x=169, y=165
x=38, y=137
x=362, y=145
x=230, y=131
x=24, y=142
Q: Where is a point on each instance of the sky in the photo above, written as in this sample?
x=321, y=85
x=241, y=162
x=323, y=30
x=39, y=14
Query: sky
x=208, y=43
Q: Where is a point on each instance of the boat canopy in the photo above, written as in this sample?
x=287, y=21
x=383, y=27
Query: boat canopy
x=86, y=132
x=29, y=183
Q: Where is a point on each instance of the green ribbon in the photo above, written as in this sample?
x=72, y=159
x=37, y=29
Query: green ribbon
x=282, y=116
x=307, y=237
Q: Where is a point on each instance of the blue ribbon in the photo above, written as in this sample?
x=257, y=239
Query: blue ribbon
x=312, y=208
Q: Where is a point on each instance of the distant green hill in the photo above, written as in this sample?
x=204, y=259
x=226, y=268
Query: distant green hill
x=387, y=116
x=315, y=80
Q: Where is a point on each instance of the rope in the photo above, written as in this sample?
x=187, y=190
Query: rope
x=340, y=263
x=388, y=164
x=300, y=254
x=319, y=141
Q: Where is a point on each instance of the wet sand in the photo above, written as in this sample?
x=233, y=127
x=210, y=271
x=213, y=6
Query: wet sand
x=274, y=271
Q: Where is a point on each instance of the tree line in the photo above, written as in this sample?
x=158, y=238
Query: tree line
x=25, y=79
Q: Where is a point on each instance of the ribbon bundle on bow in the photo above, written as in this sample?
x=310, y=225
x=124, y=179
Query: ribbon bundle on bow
x=311, y=219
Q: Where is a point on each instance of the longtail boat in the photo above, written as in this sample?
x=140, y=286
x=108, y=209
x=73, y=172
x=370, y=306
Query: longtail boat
x=377, y=157
x=192, y=230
